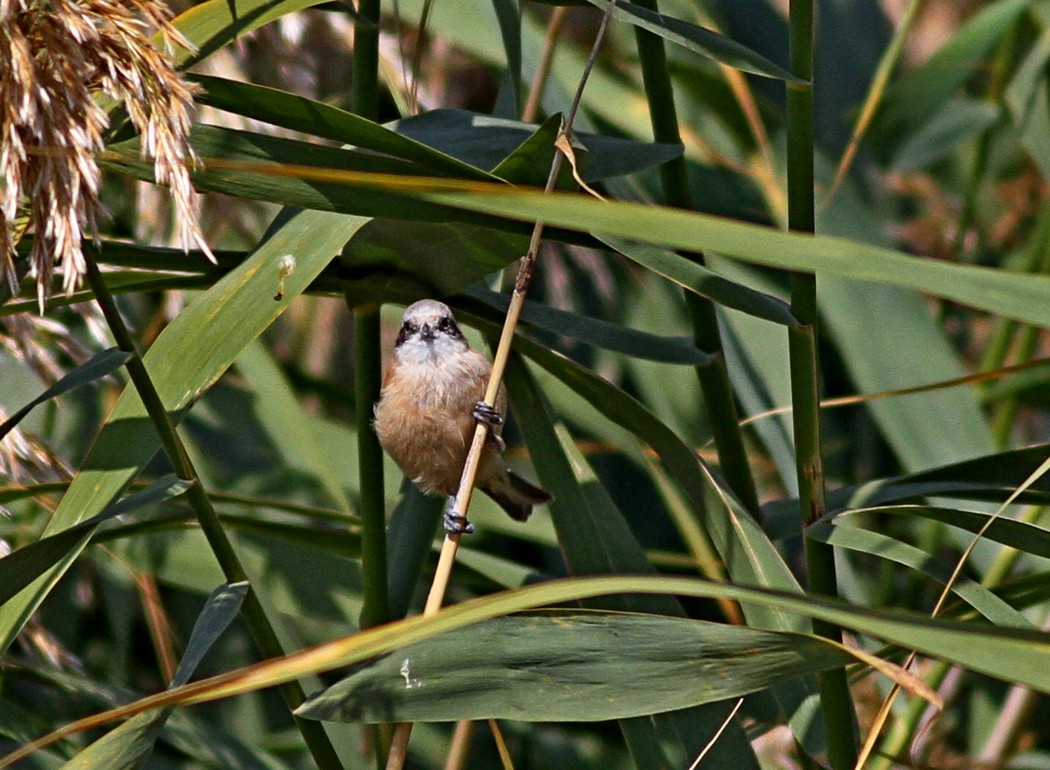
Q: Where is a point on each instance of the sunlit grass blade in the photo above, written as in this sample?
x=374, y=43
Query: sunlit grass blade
x=186, y=359
x=216, y=23
x=884, y=547
x=291, y=429
x=1015, y=655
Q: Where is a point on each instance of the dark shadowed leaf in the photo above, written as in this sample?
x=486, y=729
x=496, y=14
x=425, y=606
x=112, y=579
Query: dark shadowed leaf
x=289, y=110
x=486, y=142
x=601, y=334
x=96, y=368
x=992, y=477
x=131, y=744
x=702, y=41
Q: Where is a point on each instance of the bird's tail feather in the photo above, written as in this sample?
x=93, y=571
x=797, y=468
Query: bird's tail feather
x=517, y=496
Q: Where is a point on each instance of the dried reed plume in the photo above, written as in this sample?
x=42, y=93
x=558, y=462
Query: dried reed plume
x=60, y=60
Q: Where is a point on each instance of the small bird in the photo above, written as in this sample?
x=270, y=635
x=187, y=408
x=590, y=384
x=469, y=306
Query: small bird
x=425, y=417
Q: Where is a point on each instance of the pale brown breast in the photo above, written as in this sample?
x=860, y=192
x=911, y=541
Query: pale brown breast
x=424, y=418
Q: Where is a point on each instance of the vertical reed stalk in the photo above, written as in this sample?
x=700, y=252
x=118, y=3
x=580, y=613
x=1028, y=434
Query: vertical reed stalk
x=259, y=626
x=1011, y=338
x=805, y=379
x=367, y=382
x=713, y=377
x=367, y=360
x=368, y=376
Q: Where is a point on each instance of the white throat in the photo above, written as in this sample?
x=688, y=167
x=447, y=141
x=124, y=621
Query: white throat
x=416, y=351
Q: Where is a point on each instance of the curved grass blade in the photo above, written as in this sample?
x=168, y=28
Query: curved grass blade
x=595, y=539
x=1030, y=538
x=1011, y=295
x=704, y=281
x=249, y=165
x=884, y=547
x=1010, y=654
x=570, y=666
x=214, y=23
x=1007, y=653
x=991, y=477
x=288, y=110
x=694, y=38
x=749, y=556
x=20, y=568
x=131, y=744
x=96, y=368
x=1008, y=294
x=593, y=331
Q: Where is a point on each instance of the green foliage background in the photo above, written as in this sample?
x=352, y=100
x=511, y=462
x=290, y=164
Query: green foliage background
x=656, y=313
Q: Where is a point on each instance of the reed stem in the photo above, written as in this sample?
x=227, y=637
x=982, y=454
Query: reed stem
x=837, y=705
x=259, y=626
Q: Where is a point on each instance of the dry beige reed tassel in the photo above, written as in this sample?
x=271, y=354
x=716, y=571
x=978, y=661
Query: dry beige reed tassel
x=57, y=58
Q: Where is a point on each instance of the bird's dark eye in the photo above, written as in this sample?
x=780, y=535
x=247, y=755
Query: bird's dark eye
x=445, y=324
x=407, y=330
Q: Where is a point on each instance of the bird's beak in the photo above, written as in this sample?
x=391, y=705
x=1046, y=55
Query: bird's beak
x=426, y=332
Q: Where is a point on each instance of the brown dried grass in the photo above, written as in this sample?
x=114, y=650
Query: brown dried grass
x=61, y=63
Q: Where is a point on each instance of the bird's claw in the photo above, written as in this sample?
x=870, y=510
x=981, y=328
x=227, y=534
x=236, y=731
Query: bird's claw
x=457, y=523
x=487, y=414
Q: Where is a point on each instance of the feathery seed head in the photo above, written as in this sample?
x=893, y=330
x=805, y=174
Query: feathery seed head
x=56, y=57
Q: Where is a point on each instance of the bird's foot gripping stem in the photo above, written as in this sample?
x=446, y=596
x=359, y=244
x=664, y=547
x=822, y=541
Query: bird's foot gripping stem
x=456, y=523
x=487, y=414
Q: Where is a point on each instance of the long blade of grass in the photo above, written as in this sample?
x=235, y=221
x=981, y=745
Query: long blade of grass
x=695, y=38
x=572, y=666
x=1015, y=655
x=188, y=356
x=97, y=367
x=127, y=747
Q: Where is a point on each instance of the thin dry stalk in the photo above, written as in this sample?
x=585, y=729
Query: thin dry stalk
x=526, y=266
x=459, y=750
x=876, y=728
x=543, y=70
x=717, y=735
